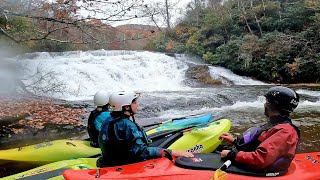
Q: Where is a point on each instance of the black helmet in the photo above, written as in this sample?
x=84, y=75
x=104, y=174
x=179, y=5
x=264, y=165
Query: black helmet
x=283, y=99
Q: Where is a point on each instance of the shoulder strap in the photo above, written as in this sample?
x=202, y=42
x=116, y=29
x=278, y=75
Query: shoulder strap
x=284, y=122
x=145, y=138
x=93, y=115
x=296, y=128
x=111, y=132
x=92, y=131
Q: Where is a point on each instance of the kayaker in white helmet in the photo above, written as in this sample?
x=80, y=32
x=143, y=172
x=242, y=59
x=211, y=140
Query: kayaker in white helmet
x=122, y=140
x=270, y=147
x=98, y=116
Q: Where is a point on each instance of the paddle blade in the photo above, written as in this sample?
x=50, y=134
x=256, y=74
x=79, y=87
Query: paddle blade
x=219, y=175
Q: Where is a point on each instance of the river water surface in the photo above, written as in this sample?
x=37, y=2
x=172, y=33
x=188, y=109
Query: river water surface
x=166, y=92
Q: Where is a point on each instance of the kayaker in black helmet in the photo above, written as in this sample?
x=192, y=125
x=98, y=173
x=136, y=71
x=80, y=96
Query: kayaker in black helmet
x=121, y=140
x=272, y=146
x=98, y=116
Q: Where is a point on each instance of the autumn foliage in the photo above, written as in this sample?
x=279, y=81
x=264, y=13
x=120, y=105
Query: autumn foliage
x=36, y=113
x=272, y=40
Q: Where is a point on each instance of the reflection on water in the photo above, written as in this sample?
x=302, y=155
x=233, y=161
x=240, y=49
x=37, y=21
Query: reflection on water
x=310, y=140
x=14, y=168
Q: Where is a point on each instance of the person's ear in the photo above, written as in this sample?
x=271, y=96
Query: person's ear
x=127, y=108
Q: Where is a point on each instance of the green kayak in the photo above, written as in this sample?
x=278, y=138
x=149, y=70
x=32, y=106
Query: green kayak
x=47, y=152
x=202, y=138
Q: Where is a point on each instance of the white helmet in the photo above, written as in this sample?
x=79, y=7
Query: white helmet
x=121, y=98
x=101, y=98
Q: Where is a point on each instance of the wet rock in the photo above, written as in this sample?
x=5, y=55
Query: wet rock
x=68, y=127
x=28, y=118
x=201, y=74
x=33, y=135
x=53, y=131
x=7, y=120
x=171, y=54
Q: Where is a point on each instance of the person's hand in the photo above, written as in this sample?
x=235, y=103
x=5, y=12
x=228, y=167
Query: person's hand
x=224, y=153
x=181, y=153
x=227, y=137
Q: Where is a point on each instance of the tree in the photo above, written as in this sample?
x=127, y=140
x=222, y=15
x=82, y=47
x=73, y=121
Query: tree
x=61, y=25
x=271, y=40
x=167, y=14
x=66, y=21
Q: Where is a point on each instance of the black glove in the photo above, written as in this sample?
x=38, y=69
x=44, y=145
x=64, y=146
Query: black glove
x=168, y=154
x=231, y=155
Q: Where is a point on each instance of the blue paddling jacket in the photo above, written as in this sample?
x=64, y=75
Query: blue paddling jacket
x=95, y=120
x=124, y=142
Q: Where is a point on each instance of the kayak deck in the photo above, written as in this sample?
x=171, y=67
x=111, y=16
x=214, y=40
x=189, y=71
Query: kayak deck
x=65, y=149
x=53, y=171
x=304, y=166
x=181, y=123
x=205, y=136
x=50, y=151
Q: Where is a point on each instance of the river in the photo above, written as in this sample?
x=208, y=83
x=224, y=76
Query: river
x=166, y=91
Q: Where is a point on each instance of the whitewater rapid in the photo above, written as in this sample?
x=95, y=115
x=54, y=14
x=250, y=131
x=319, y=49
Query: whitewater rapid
x=82, y=74
x=159, y=77
x=85, y=73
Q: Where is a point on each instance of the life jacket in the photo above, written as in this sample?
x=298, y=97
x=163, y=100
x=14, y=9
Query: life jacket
x=92, y=131
x=116, y=148
x=249, y=141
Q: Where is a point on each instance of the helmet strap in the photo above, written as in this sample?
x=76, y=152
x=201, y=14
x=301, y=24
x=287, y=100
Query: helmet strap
x=105, y=107
x=131, y=114
x=133, y=119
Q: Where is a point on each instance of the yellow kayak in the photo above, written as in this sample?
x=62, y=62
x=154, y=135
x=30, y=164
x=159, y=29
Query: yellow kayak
x=51, y=151
x=65, y=149
x=202, y=138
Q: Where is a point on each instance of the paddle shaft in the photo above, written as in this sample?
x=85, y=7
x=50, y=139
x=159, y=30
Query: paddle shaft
x=225, y=165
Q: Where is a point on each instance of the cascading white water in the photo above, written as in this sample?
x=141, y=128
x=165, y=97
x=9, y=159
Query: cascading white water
x=162, y=80
x=190, y=59
x=240, y=106
x=227, y=76
x=85, y=73
x=223, y=74
x=309, y=93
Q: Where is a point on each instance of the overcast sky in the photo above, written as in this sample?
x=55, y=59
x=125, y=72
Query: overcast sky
x=176, y=13
x=181, y=6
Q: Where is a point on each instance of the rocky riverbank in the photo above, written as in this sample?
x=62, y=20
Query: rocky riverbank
x=30, y=119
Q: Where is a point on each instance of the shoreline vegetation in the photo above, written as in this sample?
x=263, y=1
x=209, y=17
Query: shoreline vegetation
x=273, y=41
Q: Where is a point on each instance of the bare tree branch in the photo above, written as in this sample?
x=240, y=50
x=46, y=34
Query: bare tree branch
x=63, y=15
x=7, y=35
x=43, y=82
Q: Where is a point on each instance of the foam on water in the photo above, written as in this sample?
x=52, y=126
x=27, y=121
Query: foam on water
x=85, y=73
x=227, y=76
